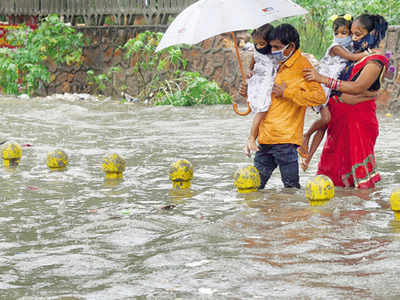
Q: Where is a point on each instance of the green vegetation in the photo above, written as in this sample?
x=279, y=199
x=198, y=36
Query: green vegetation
x=151, y=67
x=99, y=81
x=315, y=28
x=189, y=88
x=23, y=69
x=163, y=74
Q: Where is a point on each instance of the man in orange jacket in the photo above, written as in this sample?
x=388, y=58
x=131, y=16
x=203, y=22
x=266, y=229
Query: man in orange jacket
x=280, y=132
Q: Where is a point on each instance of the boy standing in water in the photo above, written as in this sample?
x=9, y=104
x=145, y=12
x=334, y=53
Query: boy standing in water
x=281, y=131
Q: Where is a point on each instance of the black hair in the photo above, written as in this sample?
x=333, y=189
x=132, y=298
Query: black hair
x=286, y=34
x=341, y=21
x=376, y=24
x=372, y=22
x=263, y=31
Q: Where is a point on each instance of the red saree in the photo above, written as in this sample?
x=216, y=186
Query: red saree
x=348, y=155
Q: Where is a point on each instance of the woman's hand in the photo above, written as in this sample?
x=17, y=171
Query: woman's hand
x=378, y=51
x=243, y=89
x=312, y=75
x=279, y=90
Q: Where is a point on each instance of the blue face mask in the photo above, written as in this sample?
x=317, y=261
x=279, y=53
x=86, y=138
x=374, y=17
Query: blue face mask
x=344, y=42
x=278, y=55
x=367, y=42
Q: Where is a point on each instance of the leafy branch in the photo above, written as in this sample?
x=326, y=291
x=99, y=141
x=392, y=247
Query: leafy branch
x=23, y=68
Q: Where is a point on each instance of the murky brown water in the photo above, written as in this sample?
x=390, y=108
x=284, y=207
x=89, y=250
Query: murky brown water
x=71, y=235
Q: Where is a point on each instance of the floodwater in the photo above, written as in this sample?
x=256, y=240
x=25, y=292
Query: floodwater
x=73, y=235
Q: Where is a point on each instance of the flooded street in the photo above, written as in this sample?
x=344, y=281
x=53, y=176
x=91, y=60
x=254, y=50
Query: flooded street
x=73, y=235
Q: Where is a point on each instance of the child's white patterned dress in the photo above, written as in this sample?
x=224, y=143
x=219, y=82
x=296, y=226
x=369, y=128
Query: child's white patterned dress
x=260, y=84
x=331, y=66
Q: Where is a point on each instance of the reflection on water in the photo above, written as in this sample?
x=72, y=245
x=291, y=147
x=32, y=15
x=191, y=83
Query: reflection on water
x=75, y=235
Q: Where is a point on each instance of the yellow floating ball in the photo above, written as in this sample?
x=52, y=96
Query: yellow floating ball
x=247, y=179
x=395, y=200
x=389, y=115
x=113, y=166
x=181, y=173
x=320, y=188
x=57, y=159
x=395, y=203
x=12, y=154
x=318, y=202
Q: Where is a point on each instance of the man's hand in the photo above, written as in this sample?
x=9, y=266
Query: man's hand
x=251, y=146
x=243, y=89
x=279, y=89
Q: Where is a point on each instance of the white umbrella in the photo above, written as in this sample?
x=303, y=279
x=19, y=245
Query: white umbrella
x=207, y=18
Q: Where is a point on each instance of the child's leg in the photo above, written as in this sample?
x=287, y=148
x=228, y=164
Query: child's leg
x=317, y=139
x=252, y=144
x=321, y=123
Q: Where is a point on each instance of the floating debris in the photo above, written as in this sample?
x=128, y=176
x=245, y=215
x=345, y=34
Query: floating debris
x=168, y=207
x=33, y=188
x=129, y=98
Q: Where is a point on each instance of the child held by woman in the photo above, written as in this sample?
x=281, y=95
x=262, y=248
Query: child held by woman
x=338, y=54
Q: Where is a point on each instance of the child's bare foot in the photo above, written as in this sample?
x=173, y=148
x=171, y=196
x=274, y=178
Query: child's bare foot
x=305, y=162
x=303, y=152
x=303, y=149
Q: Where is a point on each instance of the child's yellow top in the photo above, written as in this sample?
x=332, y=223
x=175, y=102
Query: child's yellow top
x=284, y=120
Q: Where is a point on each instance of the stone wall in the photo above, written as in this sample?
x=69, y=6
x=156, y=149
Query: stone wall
x=214, y=58
x=390, y=97
x=100, y=55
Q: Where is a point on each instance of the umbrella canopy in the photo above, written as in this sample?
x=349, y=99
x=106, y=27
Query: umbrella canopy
x=207, y=18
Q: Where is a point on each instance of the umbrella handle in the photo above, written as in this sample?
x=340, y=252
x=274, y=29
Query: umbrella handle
x=245, y=113
x=235, y=106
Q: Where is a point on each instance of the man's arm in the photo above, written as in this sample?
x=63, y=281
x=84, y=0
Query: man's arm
x=303, y=93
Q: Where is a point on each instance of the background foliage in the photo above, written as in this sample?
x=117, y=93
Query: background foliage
x=162, y=77
x=315, y=28
x=190, y=88
x=23, y=69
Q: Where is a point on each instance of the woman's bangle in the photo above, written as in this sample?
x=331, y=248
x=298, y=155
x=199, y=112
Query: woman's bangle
x=333, y=84
x=329, y=83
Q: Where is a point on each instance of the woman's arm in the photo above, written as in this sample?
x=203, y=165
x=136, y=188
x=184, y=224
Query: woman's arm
x=367, y=77
x=356, y=99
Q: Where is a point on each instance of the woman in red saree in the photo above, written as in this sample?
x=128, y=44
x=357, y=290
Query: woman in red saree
x=348, y=157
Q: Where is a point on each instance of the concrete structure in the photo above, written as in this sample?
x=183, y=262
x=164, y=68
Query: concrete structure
x=390, y=97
